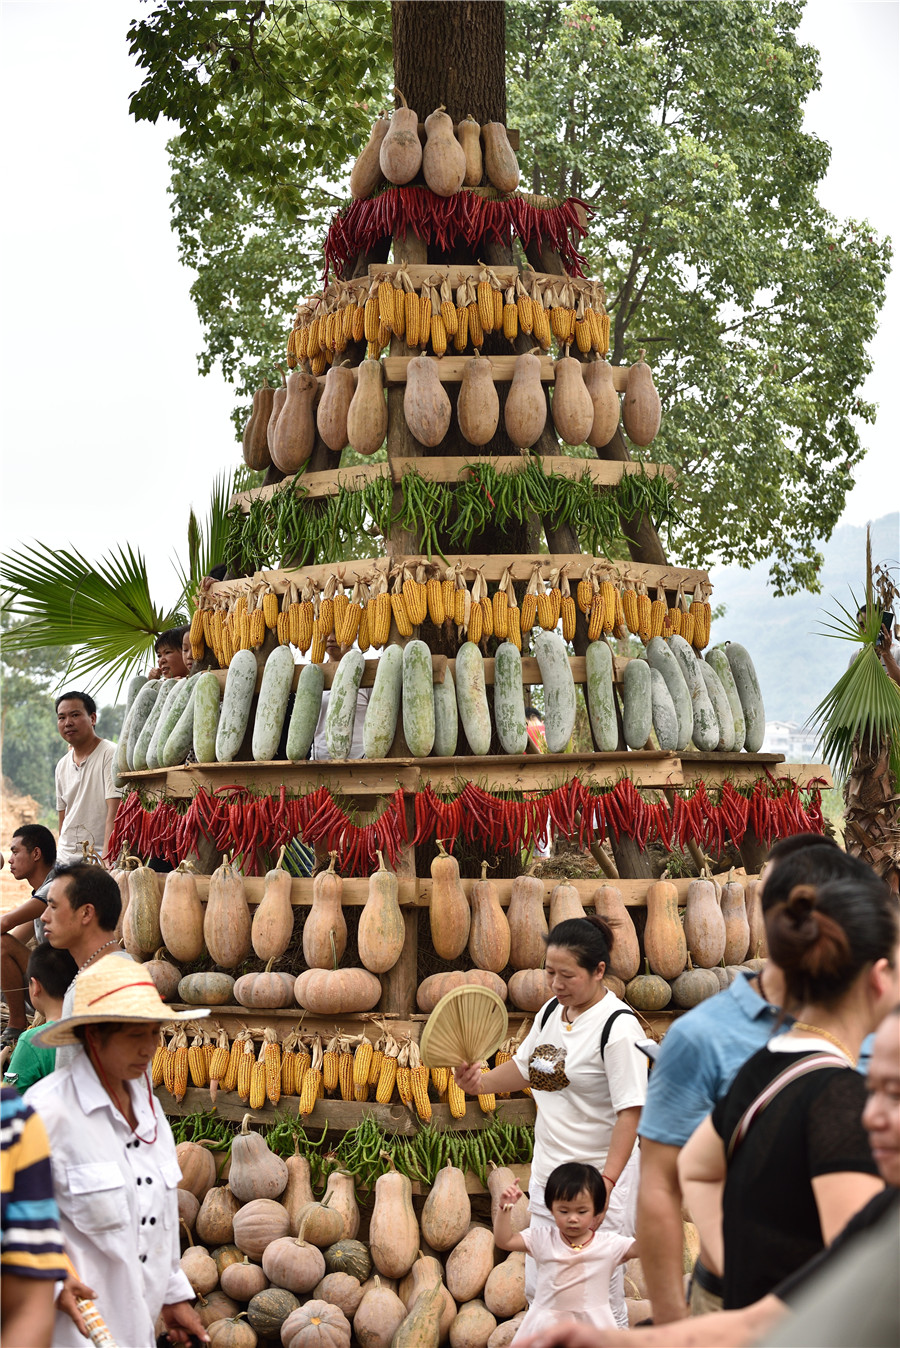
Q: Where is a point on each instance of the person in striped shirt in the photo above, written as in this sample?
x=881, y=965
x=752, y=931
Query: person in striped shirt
x=32, y=1260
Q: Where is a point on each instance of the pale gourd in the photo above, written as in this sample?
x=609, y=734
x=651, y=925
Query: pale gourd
x=527, y=922
x=277, y=405
x=504, y=1291
x=164, y=974
x=500, y=162
x=473, y=1326
x=489, y=933
x=704, y=925
x=400, y=154
x=737, y=927
x=295, y=430
x=334, y=406
x=325, y=928
x=367, y=415
x=598, y=380
x=266, y=990
x=378, y=1317
x=758, y=947
x=435, y=986
x=256, y=1172
x=340, y=1192
x=565, y=903
x=294, y=1264
x=226, y=923
x=426, y=406
x=693, y=986
x=664, y=942
x=257, y=1224
x=382, y=929
x=478, y=407
x=641, y=408
x=448, y=910
x=393, y=1229
x=181, y=916
x=625, y=955
x=528, y=989
x=273, y=921
x=468, y=133
x=443, y=159
x=298, y=1194
x=143, y=908
x=572, y=406
x=366, y=175
x=469, y=1264
x=255, y=444
x=448, y=1209
x=525, y=413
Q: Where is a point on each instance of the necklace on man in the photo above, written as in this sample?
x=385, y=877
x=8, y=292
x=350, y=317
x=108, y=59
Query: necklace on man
x=825, y=1034
x=114, y=941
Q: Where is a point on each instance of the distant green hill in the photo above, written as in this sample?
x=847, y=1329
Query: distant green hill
x=796, y=667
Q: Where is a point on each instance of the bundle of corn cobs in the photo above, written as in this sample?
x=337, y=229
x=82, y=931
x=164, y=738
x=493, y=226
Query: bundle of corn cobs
x=564, y=310
x=345, y=1067
x=363, y=612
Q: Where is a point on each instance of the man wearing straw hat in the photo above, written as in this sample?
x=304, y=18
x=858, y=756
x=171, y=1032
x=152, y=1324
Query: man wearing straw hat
x=115, y=1169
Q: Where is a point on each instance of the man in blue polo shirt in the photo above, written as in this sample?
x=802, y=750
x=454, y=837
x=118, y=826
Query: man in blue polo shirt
x=696, y=1064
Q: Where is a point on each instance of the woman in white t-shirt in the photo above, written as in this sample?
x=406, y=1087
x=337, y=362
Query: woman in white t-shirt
x=588, y=1079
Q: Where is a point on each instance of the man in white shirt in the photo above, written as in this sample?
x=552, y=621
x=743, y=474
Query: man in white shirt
x=86, y=796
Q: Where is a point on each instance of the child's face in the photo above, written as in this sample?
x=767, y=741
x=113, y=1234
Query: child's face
x=187, y=658
x=170, y=663
x=575, y=1217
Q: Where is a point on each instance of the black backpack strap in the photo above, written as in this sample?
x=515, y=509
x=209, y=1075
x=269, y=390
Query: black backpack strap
x=548, y=1011
x=604, y=1037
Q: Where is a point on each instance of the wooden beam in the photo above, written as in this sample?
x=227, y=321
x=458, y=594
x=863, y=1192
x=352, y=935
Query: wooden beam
x=455, y=274
x=381, y=777
x=603, y=473
x=716, y=768
x=450, y=369
x=670, y=577
x=414, y=892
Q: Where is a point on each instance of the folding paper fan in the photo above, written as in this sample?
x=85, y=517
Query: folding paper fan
x=467, y=1025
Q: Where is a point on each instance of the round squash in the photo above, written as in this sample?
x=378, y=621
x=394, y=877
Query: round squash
x=198, y=1169
x=433, y=988
x=225, y=1256
x=337, y=992
x=243, y=1281
x=349, y=1256
x=528, y=989
x=200, y=1267
x=648, y=992
x=321, y=1224
x=473, y=1324
x=614, y=985
x=233, y=1333
x=256, y=1225
x=694, y=986
x=165, y=975
x=217, y=1306
x=341, y=1290
x=268, y=1311
x=265, y=990
x=294, y=1264
x=316, y=1324
x=206, y=989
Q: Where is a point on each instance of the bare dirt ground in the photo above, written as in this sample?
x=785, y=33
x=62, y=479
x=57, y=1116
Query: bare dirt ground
x=15, y=810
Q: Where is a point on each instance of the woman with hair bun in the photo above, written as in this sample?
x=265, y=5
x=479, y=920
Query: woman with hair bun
x=587, y=1078
x=783, y=1162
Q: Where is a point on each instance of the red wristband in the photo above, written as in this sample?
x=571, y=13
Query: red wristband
x=612, y=1182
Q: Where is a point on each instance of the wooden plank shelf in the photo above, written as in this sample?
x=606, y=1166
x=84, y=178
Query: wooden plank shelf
x=450, y=369
x=494, y=565
x=512, y=772
x=455, y=272
x=716, y=768
x=342, y=1115
x=603, y=472
x=416, y=893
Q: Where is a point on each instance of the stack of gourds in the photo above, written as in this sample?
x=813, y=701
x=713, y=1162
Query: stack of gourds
x=275, y=1262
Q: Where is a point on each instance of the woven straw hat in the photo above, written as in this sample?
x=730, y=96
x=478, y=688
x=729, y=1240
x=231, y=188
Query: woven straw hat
x=113, y=990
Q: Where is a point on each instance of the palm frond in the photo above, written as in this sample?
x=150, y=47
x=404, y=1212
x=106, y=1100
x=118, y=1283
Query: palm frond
x=863, y=707
x=206, y=541
x=103, y=609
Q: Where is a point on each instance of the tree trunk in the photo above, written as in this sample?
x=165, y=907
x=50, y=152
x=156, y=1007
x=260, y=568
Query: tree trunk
x=451, y=52
x=872, y=827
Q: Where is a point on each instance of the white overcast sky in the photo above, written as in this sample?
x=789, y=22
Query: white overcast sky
x=109, y=433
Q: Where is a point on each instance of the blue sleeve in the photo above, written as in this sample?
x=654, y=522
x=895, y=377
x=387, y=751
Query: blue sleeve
x=680, y=1092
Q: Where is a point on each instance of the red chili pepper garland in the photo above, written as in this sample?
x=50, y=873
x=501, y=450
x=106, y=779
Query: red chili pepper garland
x=254, y=827
x=465, y=217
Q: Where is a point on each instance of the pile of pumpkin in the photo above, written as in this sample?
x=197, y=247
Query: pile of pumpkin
x=276, y=1263
x=564, y=310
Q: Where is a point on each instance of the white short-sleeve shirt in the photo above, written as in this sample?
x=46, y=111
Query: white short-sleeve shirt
x=82, y=790
x=577, y=1093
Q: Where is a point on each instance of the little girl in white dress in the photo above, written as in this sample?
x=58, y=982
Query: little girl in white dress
x=575, y=1258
